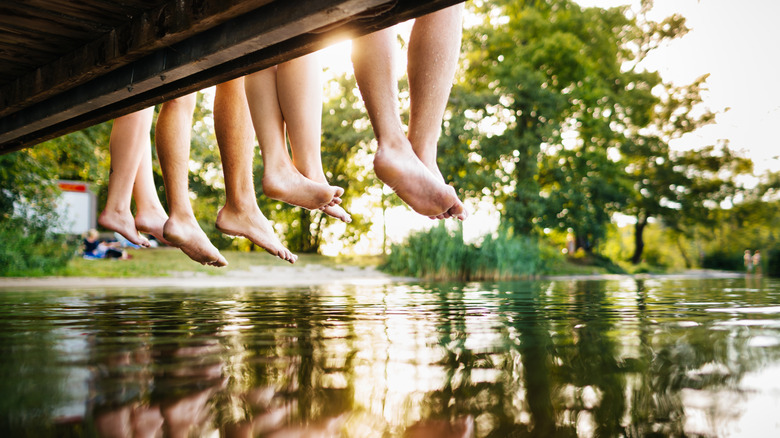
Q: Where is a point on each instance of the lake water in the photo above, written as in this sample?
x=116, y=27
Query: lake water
x=622, y=357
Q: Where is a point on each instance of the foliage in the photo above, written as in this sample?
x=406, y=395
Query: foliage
x=724, y=260
x=550, y=70
x=28, y=180
x=441, y=254
x=29, y=247
x=773, y=262
x=24, y=177
x=556, y=120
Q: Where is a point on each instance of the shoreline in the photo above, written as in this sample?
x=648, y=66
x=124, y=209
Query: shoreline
x=283, y=276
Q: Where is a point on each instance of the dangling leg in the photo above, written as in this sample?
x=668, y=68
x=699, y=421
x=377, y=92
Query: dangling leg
x=434, y=47
x=182, y=230
x=129, y=136
x=299, y=87
x=241, y=216
x=150, y=216
x=395, y=162
x=281, y=180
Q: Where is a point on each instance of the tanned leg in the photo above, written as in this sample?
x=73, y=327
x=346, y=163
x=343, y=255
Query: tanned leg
x=182, y=230
x=395, y=162
x=241, y=216
x=434, y=47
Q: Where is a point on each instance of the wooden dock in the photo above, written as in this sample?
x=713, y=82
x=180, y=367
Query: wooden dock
x=67, y=65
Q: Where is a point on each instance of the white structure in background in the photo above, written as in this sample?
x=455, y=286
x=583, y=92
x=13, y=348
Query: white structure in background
x=76, y=207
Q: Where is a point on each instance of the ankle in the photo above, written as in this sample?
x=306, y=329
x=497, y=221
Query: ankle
x=238, y=206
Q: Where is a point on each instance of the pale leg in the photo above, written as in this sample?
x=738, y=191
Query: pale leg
x=281, y=180
x=150, y=216
x=395, y=162
x=129, y=137
x=182, y=230
x=299, y=87
x=241, y=216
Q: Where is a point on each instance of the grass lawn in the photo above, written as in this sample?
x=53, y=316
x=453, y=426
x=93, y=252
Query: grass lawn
x=161, y=262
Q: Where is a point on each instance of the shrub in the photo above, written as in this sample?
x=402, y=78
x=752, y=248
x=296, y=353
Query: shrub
x=725, y=260
x=29, y=248
x=773, y=262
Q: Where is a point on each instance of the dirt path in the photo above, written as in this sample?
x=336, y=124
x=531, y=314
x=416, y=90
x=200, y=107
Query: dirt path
x=288, y=276
x=259, y=276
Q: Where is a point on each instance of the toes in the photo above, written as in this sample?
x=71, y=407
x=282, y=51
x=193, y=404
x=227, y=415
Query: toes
x=339, y=192
x=338, y=213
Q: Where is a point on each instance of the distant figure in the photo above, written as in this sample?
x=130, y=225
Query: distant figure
x=571, y=245
x=94, y=248
x=748, y=261
x=757, y=262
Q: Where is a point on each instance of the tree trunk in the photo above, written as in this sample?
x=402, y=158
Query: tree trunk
x=684, y=254
x=639, y=242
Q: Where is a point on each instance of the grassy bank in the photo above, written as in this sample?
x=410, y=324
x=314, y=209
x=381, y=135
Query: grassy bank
x=438, y=255
x=162, y=262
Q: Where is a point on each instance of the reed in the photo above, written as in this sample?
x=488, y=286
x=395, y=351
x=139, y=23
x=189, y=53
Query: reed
x=441, y=254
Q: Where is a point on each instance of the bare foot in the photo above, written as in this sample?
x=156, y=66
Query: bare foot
x=433, y=167
x=333, y=208
x=337, y=212
x=122, y=223
x=288, y=185
x=190, y=238
x=399, y=168
x=255, y=227
x=152, y=222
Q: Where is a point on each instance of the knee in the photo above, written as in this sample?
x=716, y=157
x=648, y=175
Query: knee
x=183, y=104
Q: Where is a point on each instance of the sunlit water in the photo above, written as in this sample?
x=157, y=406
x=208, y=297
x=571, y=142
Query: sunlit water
x=626, y=357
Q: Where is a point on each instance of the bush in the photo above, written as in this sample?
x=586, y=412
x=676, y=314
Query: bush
x=440, y=254
x=724, y=260
x=29, y=248
x=773, y=262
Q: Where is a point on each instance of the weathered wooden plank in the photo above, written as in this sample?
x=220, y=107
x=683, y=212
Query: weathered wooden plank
x=168, y=23
x=275, y=33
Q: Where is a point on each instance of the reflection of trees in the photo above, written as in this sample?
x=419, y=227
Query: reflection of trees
x=578, y=357
x=520, y=359
x=31, y=383
x=593, y=361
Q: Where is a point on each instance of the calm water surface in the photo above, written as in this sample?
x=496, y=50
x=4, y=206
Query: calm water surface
x=628, y=357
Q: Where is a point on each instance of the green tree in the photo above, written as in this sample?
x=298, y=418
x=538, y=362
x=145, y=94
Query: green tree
x=552, y=72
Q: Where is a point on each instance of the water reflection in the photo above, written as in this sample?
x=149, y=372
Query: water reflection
x=556, y=358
